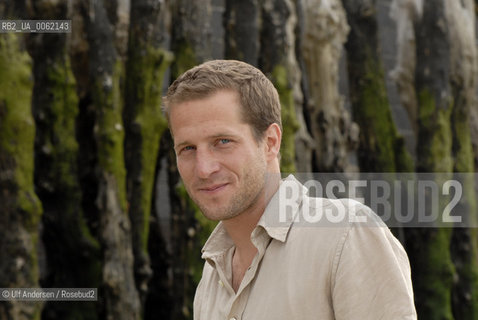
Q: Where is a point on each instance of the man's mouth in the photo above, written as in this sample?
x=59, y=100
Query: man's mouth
x=213, y=188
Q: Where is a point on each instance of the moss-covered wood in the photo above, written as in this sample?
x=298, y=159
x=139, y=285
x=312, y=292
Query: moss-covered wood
x=144, y=124
x=118, y=291
x=276, y=57
x=242, y=23
x=433, y=270
x=290, y=125
x=87, y=238
x=55, y=107
x=437, y=61
x=378, y=139
x=73, y=254
x=381, y=148
x=121, y=297
x=185, y=247
x=198, y=33
x=464, y=242
x=19, y=206
x=335, y=135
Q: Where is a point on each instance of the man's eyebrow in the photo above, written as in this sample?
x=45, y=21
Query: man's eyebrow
x=214, y=136
x=224, y=135
x=227, y=135
x=176, y=146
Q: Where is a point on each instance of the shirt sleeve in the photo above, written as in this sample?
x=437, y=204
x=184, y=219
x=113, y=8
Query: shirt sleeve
x=372, y=279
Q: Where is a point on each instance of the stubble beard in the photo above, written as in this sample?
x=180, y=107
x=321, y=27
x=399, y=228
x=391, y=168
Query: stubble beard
x=249, y=193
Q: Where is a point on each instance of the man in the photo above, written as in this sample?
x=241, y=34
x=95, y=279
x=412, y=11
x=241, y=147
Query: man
x=224, y=117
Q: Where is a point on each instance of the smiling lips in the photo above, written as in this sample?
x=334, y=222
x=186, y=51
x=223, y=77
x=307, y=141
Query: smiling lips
x=213, y=188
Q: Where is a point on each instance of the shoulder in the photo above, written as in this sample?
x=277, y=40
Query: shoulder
x=344, y=227
x=323, y=225
x=339, y=213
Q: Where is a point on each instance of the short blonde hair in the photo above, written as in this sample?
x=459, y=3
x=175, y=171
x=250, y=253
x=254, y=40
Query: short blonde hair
x=258, y=97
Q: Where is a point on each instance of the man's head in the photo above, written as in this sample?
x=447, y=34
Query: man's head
x=258, y=97
x=225, y=121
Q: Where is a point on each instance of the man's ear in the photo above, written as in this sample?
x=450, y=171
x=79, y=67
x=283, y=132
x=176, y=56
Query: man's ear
x=272, y=139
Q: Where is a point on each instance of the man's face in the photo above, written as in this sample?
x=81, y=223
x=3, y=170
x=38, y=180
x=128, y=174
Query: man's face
x=221, y=164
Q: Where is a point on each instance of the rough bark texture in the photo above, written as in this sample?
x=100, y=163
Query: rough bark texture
x=121, y=299
x=144, y=123
x=474, y=116
x=160, y=290
x=197, y=35
x=324, y=32
x=20, y=209
x=263, y=34
x=304, y=144
x=474, y=132
x=189, y=231
x=405, y=12
x=88, y=182
x=278, y=62
x=461, y=21
x=19, y=206
x=430, y=256
x=435, y=73
x=55, y=107
x=380, y=149
x=379, y=144
x=243, y=24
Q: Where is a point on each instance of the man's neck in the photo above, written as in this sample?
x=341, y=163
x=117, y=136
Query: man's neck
x=240, y=227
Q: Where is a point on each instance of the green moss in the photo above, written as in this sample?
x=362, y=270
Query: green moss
x=18, y=129
x=109, y=128
x=436, y=270
x=148, y=73
x=403, y=160
x=290, y=125
x=372, y=112
x=64, y=108
x=17, y=132
x=466, y=257
x=64, y=148
x=435, y=136
x=58, y=103
x=436, y=276
x=184, y=60
x=463, y=150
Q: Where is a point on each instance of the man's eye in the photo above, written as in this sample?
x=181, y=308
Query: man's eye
x=187, y=148
x=224, y=141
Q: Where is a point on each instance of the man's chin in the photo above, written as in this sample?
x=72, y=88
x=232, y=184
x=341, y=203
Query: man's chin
x=213, y=215
x=217, y=214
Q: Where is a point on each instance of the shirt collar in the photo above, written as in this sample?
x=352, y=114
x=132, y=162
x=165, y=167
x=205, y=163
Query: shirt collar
x=280, y=212
x=276, y=225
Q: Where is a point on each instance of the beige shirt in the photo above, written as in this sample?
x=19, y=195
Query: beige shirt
x=341, y=271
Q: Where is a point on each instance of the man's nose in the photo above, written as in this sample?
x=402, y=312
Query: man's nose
x=206, y=163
